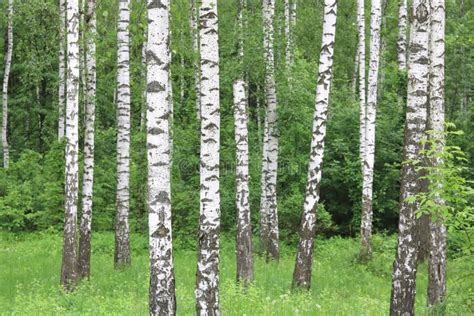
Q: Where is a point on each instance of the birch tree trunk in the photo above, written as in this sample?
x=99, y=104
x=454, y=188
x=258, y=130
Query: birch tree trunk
x=438, y=247
x=304, y=255
x=144, y=75
x=362, y=95
x=287, y=34
x=402, y=35
x=269, y=234
x=197, y=68
x=405, y=265
x=371, y=110
x=69, y=273
x=6, y=76
x=207, y=278
x=162, y=282
x=62, y=68
x=244, y=229
x=88, y=175
x=122, y=242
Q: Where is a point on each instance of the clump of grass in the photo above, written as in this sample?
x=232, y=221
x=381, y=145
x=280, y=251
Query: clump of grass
x=30, y=265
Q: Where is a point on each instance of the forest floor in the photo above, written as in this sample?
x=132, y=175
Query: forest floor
x=30, y=267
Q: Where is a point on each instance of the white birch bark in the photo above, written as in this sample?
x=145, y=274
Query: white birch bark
x=304, y=255
x=287, y=34
x=6, y=76
x=438, y=242
x=405, y=265
x=144, y=75
x=69, y=274
x=244, y=229
x=402, y=35
x=122, y=242
x=162, y=296
x=270, y=149
x=197, y=68
x=88, y=173
x=362, y=94
x=62, y=68
x=371, y=110
x=207, y=283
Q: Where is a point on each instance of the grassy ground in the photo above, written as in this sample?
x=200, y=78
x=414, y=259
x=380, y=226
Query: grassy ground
x=30, y=266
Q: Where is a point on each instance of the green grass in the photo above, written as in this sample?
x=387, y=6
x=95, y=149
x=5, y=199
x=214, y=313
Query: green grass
x=30, y=266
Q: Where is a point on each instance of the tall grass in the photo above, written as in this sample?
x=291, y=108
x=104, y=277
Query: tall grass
x=30, y=266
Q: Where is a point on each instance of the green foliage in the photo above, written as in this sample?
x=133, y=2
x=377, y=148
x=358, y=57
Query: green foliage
x=449, y=196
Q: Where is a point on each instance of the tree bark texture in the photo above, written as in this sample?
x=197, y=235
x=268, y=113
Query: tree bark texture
x=122, y=239
x=405, y=265
x=207, y=278
x=304, y=254
x=69, y=275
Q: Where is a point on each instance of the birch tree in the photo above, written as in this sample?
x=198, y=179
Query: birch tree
x=438, y=247
x=62, y=68
x=207, y=277
x=371, y=110
x=361, y=63
x=290, y=22
x=268, y=204
x=162, y=282
x=402, y=35
x=244, y=229
x=69, y=273
x=405, y=265
x=122, y=242
x=304, y=255
x=197, y=68
x=88, y=173
x=6, y=76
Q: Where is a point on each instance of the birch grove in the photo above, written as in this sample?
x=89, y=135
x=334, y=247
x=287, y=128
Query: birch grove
x=369, y=133
x=62, y=68
x=6, y=76
x=122, y=242
x=304, y=254
x=88, y=172
x=207, y=276
x=438, y=233
x=162, y=284
x=244, y=229
x=405, y=265
x=269, y=234
x=69, y=274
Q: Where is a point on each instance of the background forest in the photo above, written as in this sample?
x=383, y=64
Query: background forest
x=32, y=189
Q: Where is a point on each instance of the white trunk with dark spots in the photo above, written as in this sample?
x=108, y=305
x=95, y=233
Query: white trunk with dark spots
x=197, y=69
x=304, y=255
x=62, y=69
x=371, y=110
x=402, y=35
x=6, y=76
x=361, y=63
x=405, y=265
x=162, y=297
x=268, y=204
x=438, y=246
x=88, y=173
x=122, y=240
x=244, y=229
x=69, y=273
x=207, y=283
